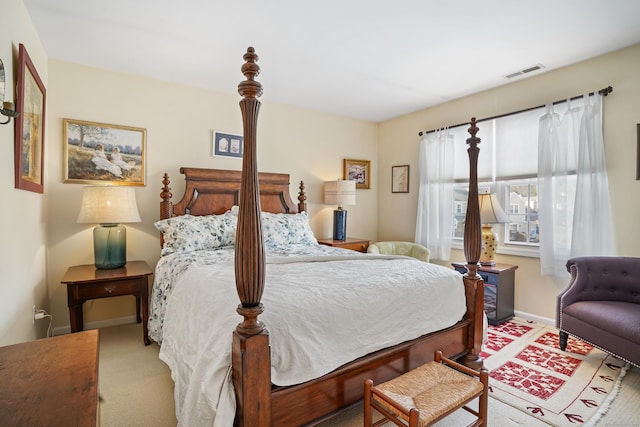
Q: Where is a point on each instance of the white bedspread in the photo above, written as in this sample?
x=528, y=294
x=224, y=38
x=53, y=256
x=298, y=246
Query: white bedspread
x=319, y=314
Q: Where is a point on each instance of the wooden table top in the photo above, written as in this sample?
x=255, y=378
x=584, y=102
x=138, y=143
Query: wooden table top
x=89, y=272
x=51, y=381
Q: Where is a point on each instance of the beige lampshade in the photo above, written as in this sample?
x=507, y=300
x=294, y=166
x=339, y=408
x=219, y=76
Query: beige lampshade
x=490, y=210
x=108, y=205
x=340, y=192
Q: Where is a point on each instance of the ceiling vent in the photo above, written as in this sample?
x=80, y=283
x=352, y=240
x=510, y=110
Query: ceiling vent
x=525, y=71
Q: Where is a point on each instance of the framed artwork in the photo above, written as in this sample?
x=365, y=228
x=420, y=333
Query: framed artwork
x=358, y=171
x=638, y=151
x=227, y=144
x=29, y=126
x=100, y=153
x=400, y=179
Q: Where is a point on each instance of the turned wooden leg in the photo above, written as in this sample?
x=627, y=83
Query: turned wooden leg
x=564, y=337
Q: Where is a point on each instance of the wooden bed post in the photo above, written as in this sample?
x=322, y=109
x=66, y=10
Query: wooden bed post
x=251, y=355
x=302, y=197
x=473, y=283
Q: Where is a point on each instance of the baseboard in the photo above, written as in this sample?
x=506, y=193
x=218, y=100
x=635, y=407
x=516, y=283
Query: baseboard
x=62, y=330
x=539, y=319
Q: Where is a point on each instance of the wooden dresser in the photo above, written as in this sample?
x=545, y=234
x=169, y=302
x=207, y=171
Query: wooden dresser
x=50, y=382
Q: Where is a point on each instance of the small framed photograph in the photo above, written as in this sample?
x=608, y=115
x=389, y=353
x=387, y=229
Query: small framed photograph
x=100, y=153
x=358, y=171
x=227, y=144
x=29, y=135
x=400, y=179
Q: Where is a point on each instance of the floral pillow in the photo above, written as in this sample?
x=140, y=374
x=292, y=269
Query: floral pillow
x=188, y=233
x=281, y=230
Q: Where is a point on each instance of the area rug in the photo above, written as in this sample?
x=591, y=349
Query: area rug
x=528, y=371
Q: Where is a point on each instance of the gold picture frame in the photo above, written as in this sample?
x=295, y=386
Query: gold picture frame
x=101, y=153
x=358, y=171
x=29, y=126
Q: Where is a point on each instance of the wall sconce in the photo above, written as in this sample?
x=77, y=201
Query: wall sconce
x=9, y=111
x=7, y=107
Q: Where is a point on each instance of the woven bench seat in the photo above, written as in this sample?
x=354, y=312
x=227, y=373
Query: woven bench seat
x=427, y=394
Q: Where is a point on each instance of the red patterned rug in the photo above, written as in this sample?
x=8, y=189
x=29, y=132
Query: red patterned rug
x=562, y=388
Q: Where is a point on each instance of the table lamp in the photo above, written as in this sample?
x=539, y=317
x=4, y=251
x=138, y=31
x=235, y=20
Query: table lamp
x=490, y=213
x=109, y=206
x=340, y=192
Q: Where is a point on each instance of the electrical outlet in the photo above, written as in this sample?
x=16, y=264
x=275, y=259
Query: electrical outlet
x=33, y=317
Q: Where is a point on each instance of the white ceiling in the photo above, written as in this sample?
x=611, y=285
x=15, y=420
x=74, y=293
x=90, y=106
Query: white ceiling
x=367, y=59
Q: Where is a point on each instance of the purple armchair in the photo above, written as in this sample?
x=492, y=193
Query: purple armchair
x=601, y=305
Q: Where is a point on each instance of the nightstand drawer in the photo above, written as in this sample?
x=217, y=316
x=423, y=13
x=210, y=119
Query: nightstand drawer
x=107, y=289
x=490, y=279
x=360, y=247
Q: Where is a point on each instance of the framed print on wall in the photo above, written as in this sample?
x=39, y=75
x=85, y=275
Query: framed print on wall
x=400, y=179
x=358, y=171
x=638, y=151
x=100, y=153
x=29, y=126
x=227, y=144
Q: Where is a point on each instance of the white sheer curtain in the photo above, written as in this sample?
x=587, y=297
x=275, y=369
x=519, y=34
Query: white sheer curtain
x=435, y=197
x=574, y=214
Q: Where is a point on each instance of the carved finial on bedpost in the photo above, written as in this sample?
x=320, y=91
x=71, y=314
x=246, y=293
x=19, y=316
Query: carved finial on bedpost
x=302, y=197
x=472, y=247
x=166, y=205
x=250, y=88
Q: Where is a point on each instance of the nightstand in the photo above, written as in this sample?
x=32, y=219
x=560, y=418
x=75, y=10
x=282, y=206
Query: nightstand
x=499, y=282
x=86, y=282
x=352, y=243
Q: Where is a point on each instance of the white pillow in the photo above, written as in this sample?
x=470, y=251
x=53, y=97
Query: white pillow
x=188, y=233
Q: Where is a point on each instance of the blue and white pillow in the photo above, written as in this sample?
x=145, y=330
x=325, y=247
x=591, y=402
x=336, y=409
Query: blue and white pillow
x=188, y=233
x=283, y=229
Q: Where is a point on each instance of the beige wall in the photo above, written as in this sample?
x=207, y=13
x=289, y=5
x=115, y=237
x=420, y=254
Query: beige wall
x=179, y=122
x=24, y=213
x=398, y=144
x=41, y=237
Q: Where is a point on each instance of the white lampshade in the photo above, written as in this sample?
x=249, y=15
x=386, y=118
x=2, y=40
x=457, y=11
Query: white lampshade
x=108, y=205
x=340, y=192
x=490, y=210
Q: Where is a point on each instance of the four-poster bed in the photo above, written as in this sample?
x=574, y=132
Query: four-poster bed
x=248, y=195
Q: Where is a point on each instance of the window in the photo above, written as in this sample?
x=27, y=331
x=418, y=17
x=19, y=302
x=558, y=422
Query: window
x=523, y=213
x=508, y=167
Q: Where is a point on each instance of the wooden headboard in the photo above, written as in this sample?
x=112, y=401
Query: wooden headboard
x=214, y=191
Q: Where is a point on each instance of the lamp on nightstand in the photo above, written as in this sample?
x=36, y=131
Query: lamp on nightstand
x=340, y=192
x=490, y=213
x=109, y=206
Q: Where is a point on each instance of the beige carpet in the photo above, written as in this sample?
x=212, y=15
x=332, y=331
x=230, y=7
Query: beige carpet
x=137, y=390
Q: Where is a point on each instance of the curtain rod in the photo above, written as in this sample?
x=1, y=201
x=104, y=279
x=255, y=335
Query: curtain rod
x=604, y=92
